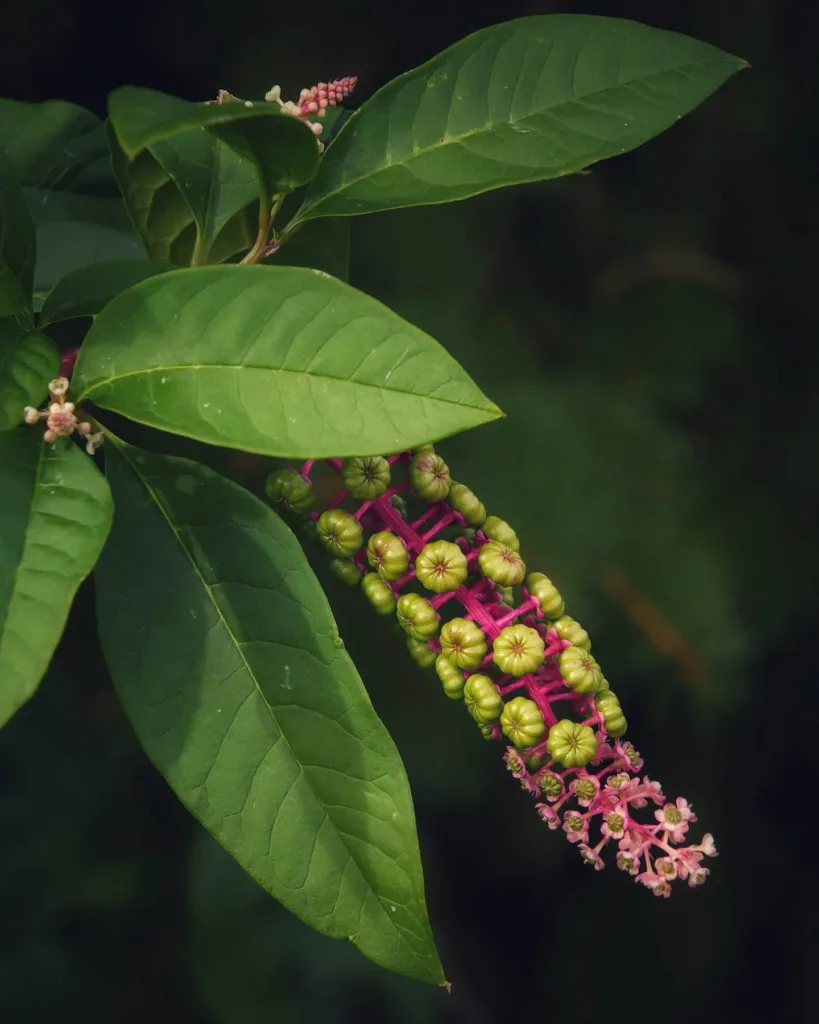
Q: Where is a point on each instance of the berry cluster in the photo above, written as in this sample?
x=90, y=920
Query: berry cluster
x=522, y=667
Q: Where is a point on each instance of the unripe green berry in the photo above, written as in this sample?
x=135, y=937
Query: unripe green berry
x=424, y=449
x=571, y=744
x=501, y=564
x=507, y=596
x=463, y=642
x=429, y=475
x=465, y=502
x=518, y=650
x=486, y=731
x=482, y=699
x=291, y=489
x=387, y=555
x=614, y=720
x=452, y=678
x=340, y=532
x=571, y=630
x=423, y=654
x=366, y=478
x=548, y=596
x=522, y=722
x=441, y=566
x=550, y=784
x=347, y=571
x=399, y=505
x=417, y=617
x=378, y=594
x=580, y=670
x=499, y=530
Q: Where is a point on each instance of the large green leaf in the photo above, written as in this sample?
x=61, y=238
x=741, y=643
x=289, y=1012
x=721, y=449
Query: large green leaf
x=282, y=149
x=276, y=360
x=18, y=246
x=162, y=215
x=76, y=230
x=86, y=291
x=227, y=659
x=56, y=146
x=523, y=101
x=56, y=512
x=28, y=361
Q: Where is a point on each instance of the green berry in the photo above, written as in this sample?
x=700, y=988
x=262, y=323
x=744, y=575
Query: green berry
x=347, y=571
x=465, y=502
x=580, y=670
x=386, y=554
x=482, y=699
x=501, y=531
x=507, y=596
x=441, y=566
x=424, y=449
x=452, y=678
x=548, y=596
x=614, y=720
x=429, y=475
x=417, y=617
x=571, y=744
x=501, y=564
x=340, y=532
x=423, y=654
x=378, y=594
x=463, y=642
x=486, y=731
x=291, y=489
x=366, y=478
x=571, y=630
x=518, y=650
x=522, y=722
x=399, y=505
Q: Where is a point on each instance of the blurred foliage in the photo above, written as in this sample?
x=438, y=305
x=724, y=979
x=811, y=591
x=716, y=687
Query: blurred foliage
x=650, y=331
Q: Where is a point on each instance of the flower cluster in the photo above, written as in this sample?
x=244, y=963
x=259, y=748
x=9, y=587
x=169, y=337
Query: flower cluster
x=61, y=418
x=522, y=667
x=313, y=101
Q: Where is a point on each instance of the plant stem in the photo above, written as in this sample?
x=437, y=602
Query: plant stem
x=257, y=252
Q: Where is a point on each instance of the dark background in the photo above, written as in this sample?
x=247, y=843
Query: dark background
x=650, y=329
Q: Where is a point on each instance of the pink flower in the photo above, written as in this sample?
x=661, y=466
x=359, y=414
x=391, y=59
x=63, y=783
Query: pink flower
x=613, y=825
x=674, y=819
x=651, y=880
x=627, y=861
x=666, y=868
x=576, y=827
x=585, y=788
x=549, y=815
x=591, y=856
x=707, y=845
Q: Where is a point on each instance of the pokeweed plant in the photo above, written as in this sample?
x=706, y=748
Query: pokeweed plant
x=206, y=244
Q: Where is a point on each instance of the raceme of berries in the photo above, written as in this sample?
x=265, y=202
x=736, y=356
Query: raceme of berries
x=313, y=101
x=421, y=547
x=61, y=416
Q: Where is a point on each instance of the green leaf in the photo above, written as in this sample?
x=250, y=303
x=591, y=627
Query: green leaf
x=228, y=662
x=162, y=216
x=18, y=246
x=282, y=149
x=75, y=231
x=215, y=182
x=276, y=360
x=86, y=291
x=320, y=245
x=28, y=361
x=56, y=146
x=523, y=101
x=56, y=515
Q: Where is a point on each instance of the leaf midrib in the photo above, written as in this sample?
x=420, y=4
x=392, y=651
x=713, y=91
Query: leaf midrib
x=491, y=126
x=490, y=407
x=302, y=770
